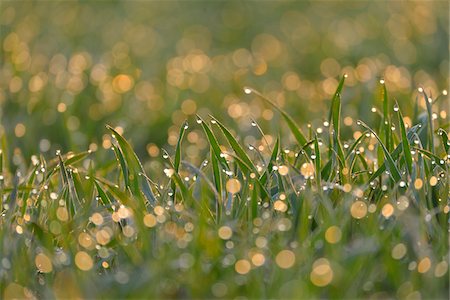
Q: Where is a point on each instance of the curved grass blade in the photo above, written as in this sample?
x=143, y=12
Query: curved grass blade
x=135, y=166
x=237, y=148
x=392, y=168
x=214, y=144
x=295, y=129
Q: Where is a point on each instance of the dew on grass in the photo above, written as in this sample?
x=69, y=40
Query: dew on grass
x=169, y=172
x=247, y=90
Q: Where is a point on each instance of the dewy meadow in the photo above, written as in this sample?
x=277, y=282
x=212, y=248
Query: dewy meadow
x=219, y=173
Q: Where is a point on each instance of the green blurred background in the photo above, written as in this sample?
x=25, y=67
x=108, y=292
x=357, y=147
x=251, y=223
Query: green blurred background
x=69, y=68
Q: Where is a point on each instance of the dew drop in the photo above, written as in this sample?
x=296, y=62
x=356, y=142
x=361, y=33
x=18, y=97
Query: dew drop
x=247, y=90
x=396, y=107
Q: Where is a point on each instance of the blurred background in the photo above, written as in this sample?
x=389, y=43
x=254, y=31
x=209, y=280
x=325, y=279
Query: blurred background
x=70, y=67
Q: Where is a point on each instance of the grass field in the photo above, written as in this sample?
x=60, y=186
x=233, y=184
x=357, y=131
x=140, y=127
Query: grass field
x=224, y=150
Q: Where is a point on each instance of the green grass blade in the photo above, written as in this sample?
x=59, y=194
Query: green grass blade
x=295, y=129
x=405, y=142
x=237, y=148
x=391, y=167
x=214, y=144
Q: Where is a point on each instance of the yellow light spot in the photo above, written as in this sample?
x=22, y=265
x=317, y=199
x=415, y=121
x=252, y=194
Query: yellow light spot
x=424, y=265
x=358, y=209
x=128, y=231
x=103, y=237
x=441, y=269
x=242, y=266
x=105, y=265
x=97, y=219
x=433, y=180
x=258, y=259
x=285, y=259
x=20, y=130
x=402, y=203
x=62, y=107
x=333, y=234
x=418, y=183
x=150, y=220
x=348, y=121
x=446, y=209
x=307, y=170
x=233, y=186
x=283, y=170
x=85, y=240
x=321, y=274
x=347, y=187
x=19, y=229
x=159, y=210
x=225, y=232
x=188, y=107
x=123, y=212
x=122, y=83
x=62, y=214
x=152, y=150
x=280, y=206
x=399, y=251
x=83, y=261
x=43, y=263
x=387, y=210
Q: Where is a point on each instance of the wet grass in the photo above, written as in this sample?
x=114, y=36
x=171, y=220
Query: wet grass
x=303, y=217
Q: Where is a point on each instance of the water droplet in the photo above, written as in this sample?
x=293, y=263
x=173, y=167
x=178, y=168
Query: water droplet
x=420, y=90
x=186, y=125
x=247, y=90
x=358, y=122
x=254, y=124
x=58, y=152
x=213, y=121
x=396, y=107
x=199, y=121
x=345, y=75
x=381, y=81
x=374, y=109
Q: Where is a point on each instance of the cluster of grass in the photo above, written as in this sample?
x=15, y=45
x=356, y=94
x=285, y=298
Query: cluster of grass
x=322, y=217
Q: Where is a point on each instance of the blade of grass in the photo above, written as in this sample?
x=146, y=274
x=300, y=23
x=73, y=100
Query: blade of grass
x=405, y=142
x=391, y=167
